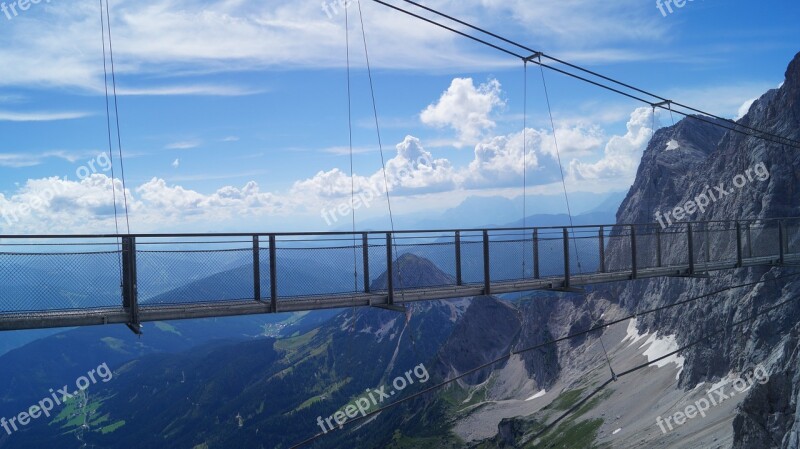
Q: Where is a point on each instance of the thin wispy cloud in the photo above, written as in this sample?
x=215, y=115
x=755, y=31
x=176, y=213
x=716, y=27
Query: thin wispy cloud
x=200, y=90
x=21, y=160
x=218, y=176
x=721, y=99
x=18, y=160
x=11, y=98
x=158, y=37
x=13, y=116
x=183, y=145
x=345, y=151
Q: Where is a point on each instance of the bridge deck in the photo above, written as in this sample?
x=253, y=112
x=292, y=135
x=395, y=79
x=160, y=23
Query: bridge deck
x=715, y=246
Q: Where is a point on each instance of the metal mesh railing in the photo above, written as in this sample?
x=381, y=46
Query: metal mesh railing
x=793, y=236
x=618, y=249
x=584, y=251
x=333, y=269
x=179, y=271
x=719, y=242
x=58, y=276
x=472, y=258
x=510, y=256
x=649, y=252
x=378, y=262
x=764, y=239
x=86, y=272
x=551, y=253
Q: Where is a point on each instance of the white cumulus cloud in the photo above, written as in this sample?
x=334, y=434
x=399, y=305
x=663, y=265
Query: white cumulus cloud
x=622, y=154
x=745, y=108
x=466, y=109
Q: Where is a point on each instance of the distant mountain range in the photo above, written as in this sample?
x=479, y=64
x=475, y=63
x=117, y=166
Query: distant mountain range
x=212, y=384
x=494, y=211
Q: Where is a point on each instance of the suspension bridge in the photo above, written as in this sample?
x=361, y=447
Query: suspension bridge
x=84, y=280
x=125, y=278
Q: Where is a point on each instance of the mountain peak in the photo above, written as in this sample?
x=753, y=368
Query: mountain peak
x=412, y=271
x=666, y=167
x=792, y=83
x=793, y=72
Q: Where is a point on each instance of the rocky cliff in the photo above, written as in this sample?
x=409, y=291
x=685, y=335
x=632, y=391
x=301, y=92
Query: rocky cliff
x=679, y=164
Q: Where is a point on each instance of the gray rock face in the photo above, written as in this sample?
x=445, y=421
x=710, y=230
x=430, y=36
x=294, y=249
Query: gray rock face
x=677, y=166
x=477, y=339
x=492, y=328
x=666, y=168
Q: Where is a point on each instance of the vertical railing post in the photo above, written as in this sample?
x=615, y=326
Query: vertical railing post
x=130, y=299
x=634, y=265
x=659, y=259
x=739, y=257
x=749, y=240
x=781, y=234
x=691, y=247
x=707, y=240
x=365, y=256
x=459, y=275
x=601, y=238
x=273, y=273
x=256, y=269
x=487, y=281
x=536, y=274
x=566, y=259
x=389, y=270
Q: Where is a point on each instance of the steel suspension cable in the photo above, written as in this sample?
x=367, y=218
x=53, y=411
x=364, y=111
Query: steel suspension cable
x=385, y=180
x=569, y=210
x=498, y=48
x=708, y=336
x=350, y=143
x=524, y=161
x=108, y=118
x=377, y=124
x=354, y=310
x=111, y=145
x=737, y=127
x=116, y=116
x=670, y=114
x=591, y=72
x=651, y=203
x=558, y=158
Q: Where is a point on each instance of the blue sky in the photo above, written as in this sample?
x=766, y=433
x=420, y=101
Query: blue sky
x=234, y=113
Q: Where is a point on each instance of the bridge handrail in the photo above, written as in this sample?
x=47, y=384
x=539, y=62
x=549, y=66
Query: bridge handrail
x=373, y=232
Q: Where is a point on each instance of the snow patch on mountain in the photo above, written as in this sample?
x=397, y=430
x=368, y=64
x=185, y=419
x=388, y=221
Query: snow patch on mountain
x=656, y=347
